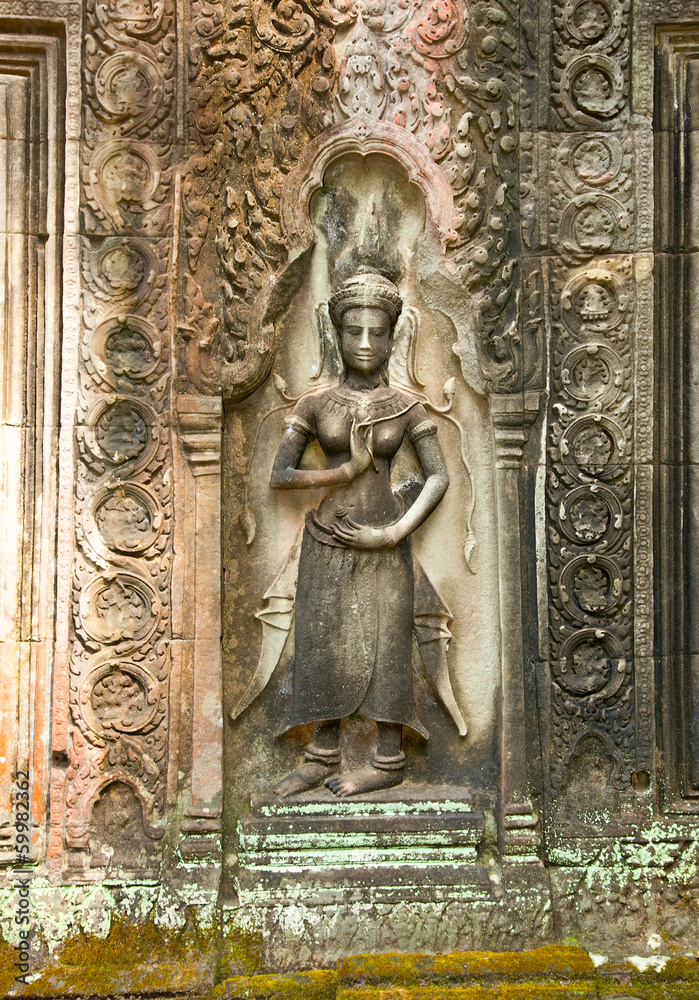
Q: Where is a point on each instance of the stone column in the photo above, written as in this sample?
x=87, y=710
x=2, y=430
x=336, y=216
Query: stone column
x=200, y=420
x=512, y=416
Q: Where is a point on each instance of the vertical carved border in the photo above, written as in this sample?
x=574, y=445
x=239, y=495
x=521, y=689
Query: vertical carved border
x=116, y=695
x=590, y=491
x=595, y=489
x=590, y=64
x=644, y=513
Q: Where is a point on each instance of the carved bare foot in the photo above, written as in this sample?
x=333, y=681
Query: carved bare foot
x=366, y=779
x=307, y=776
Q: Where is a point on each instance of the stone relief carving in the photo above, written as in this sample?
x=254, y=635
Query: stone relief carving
x=442, y=75
x=589, y=491
x=590, y=476
x=280, y=93
x=351, y=582
x=129, y=70
x=119, y=667
x=591, y=63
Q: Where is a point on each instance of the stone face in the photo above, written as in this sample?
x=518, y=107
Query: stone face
x=348, y=398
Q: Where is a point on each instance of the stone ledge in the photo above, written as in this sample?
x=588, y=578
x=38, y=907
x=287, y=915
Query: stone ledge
x=548, y=973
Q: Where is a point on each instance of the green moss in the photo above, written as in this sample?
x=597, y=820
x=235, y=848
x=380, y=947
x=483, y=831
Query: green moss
x=135, y=958
x=8, y=956
x=645, y=991
x=680, y=969
x=131, y=944
x=241, y=955
x=551, y=961
x=142, y=959
x=501, y=991
x=297, y=986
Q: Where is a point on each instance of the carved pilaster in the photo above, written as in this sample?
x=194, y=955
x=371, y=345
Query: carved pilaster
x=512, y=417
x=200, y=420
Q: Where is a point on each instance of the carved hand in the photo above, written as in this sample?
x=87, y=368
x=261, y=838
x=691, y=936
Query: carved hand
x=360, y=450
x=361, y=536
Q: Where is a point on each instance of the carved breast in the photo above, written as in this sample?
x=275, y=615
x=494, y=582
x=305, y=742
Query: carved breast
x=342, y=405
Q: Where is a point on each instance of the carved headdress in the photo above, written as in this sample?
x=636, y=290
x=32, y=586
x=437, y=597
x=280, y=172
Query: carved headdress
x=367, y=288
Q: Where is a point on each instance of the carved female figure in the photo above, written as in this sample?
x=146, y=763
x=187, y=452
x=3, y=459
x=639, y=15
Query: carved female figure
x=358, y=584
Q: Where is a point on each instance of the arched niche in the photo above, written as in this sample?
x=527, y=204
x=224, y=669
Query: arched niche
x=358, y=191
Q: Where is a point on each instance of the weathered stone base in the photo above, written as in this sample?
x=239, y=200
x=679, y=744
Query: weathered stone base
x=547, y=973
x=636, y=936
x=301, y=930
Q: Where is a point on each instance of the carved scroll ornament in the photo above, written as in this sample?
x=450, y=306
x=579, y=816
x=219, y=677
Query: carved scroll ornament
x=431, y=84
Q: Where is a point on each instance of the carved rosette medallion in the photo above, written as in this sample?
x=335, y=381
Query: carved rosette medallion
x=592, y=587
x=594, y=301
x=123, y=502
x=594, y=161
x=594, y=374
x=594, y=447
x=130, y=88
x=594, y=223
x=590, y=515
x=123, y=181
x=133, y=19
x=121, y=271
x=593, y=87
x=592, y=24
x=122, y=432
x=124, y=519
x=120, y=697
x=591, y=665
x=119, y=609
x=591, y=62
x=126, y=347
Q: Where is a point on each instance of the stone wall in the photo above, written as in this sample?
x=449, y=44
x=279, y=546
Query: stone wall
x=195, y=195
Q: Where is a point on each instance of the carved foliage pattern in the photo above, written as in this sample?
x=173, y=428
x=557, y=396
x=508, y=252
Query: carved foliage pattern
x=266, y=79
x=123, y=506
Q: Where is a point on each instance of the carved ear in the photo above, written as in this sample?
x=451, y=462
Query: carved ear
x=329, y=364
x=402, y=365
